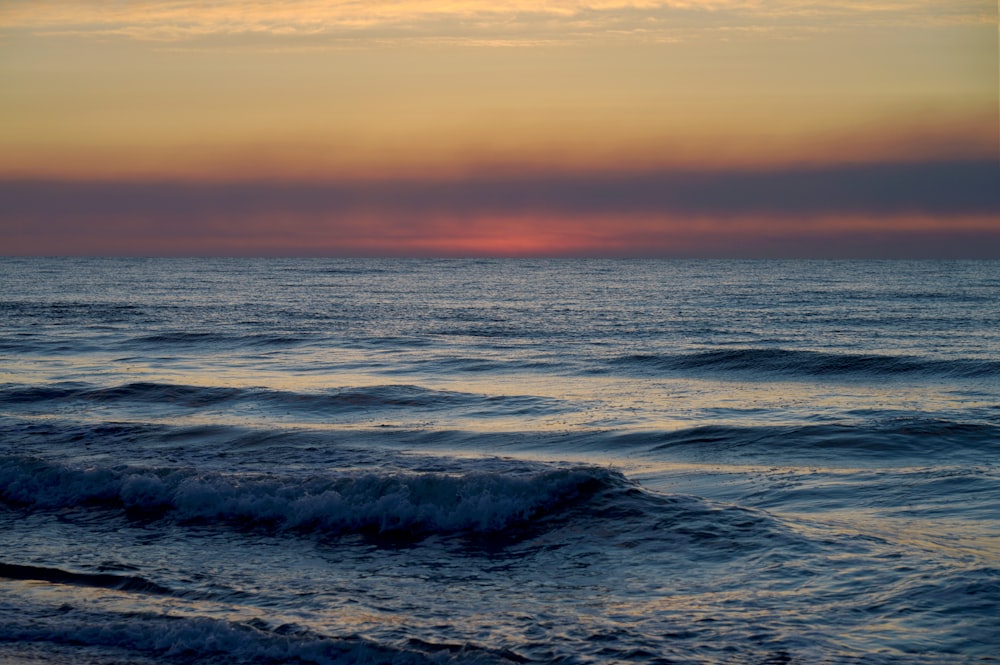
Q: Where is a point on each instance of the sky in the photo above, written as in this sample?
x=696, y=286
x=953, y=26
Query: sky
x=644, y=128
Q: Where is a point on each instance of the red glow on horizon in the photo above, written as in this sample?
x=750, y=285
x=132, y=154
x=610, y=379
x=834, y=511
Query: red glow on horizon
x=535, y=236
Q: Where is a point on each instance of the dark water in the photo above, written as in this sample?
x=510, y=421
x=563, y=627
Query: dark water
x=312, y=461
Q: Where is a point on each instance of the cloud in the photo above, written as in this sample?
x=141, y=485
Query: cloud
x=181, y=20
x=912, y=209
x=932, y=187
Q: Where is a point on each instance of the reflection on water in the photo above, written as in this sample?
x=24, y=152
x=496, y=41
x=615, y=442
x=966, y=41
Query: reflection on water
x=218, y=461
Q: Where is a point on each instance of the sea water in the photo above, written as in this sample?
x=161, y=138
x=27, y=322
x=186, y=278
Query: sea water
x=499, y=461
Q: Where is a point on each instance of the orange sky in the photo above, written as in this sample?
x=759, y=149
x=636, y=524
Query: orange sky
x=166, y=91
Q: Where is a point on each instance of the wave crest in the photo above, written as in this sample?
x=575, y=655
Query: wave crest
x=333, y=401
x=797, y=362
x=407, y=503
x=216, y=641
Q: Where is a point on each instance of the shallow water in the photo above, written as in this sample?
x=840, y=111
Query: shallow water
x=327, y=461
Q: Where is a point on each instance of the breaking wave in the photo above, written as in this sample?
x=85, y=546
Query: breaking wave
x=408, y=503
x=506, y=505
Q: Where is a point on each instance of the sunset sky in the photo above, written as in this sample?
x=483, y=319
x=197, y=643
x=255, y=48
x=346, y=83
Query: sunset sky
x=849, y=128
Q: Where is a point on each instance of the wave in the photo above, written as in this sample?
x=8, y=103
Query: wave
x=496, y=508
x=212, y=641
x=151, y=393
x=101, y=580
x=97, y=339
x=28, y=343
x=403, y=503
x=900, y=439
x=197, y=340
x=489, y=511
x=62, y=312
x=794, y=362
x=499, y=330
x=334, y=401
x=462, y=364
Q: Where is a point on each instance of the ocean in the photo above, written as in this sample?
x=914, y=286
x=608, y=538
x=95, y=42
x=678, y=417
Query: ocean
x=499, y=461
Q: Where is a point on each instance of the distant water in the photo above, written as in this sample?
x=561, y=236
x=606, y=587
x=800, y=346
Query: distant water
x=493, y=461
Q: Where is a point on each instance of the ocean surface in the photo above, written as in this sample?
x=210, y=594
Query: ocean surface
x=499, y=461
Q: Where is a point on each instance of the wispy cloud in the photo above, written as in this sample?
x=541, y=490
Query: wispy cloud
x=485, y=22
